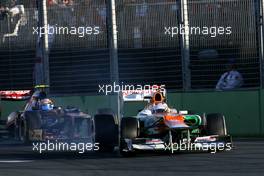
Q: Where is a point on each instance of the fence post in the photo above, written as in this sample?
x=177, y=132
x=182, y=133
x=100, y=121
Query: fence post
x=42, y=66
x=260, y=29
x=261, y=40
x=113, y=51
x=185, y=45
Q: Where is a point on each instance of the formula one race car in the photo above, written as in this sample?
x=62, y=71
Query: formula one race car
x=160, y=128
x=40, y=120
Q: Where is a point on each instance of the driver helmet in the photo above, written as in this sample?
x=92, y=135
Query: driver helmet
x=160, y=108
x=46, y=104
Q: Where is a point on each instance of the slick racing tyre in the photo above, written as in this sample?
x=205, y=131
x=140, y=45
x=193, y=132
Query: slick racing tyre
x=129, y=127
x=215, y=124
x=129, y=130
x=32, y=120
x=23, y=132
x=106, y=131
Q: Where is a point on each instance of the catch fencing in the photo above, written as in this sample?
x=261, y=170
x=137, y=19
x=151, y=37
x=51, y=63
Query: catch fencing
x=184, y=44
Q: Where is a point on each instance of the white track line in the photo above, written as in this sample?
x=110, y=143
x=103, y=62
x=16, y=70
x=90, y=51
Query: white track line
x=16, y=161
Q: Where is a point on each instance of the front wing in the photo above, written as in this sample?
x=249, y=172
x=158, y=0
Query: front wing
x=205, y=143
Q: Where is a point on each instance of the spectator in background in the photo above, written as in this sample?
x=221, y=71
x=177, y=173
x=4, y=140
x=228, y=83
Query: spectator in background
x=67, y=2
x=3, y=8
x=13, y=3
x=102, y=11
x=53, y=2
x=67, y=13
x=142, y=9
x=89, y=14
x=3, y=12
x=231, y=79
x=139, y=30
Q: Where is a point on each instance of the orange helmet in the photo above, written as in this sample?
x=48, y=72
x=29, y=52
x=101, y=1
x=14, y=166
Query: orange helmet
x=157, y=98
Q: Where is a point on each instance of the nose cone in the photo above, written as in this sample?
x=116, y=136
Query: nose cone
x=175, y=122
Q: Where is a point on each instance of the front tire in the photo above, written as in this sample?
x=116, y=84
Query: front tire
x=215, y=124
x=23, y=132
x=129, y=130
x=29, y=120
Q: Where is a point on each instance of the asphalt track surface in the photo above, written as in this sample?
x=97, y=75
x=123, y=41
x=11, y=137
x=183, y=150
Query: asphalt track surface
x=247, y=158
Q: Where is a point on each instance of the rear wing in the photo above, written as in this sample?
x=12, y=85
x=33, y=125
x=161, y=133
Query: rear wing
x=142, y=94
x=15, y=95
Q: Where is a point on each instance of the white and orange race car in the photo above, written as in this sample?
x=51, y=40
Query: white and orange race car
x=160, y=128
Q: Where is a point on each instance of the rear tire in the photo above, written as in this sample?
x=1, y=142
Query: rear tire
x=106, y=132
x=215, y=124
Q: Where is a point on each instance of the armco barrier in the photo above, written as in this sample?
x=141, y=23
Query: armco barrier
x=244, y=110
